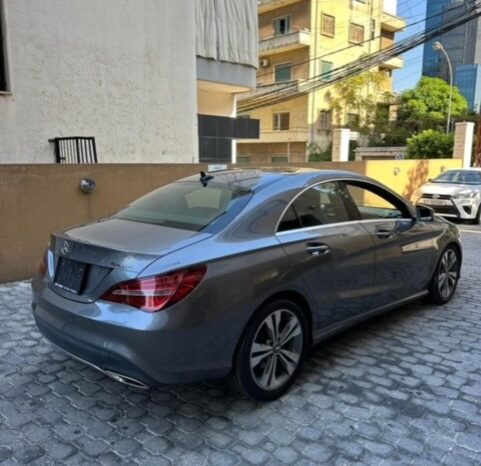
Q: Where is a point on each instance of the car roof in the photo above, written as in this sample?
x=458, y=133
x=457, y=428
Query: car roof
x=256, y=179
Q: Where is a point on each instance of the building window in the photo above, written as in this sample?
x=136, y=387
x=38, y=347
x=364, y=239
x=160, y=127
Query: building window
x=356, y=33
x=279, y=159
x=3, y=55
x=280, y=121
x=353, y=120
x=283, y=73
x=325, y=120
x=243, y=159
x=282, y=25
x=328, y=27
x=373, y=29
x=326, y=68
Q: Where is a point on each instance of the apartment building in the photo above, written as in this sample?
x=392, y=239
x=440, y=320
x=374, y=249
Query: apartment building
x=301, y=39
x=125, y=80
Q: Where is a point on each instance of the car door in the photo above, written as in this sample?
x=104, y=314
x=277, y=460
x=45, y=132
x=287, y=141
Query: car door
x=331, y=251
x=404, y=245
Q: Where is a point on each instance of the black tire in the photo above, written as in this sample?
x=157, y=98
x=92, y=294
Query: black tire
x=438, y=291
x=247, y=379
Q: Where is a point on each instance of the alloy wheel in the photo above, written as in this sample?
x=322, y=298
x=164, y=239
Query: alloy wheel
x=276, y=349
x=448, y=273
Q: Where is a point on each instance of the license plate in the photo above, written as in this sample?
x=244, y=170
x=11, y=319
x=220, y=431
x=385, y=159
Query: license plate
x=436, y=202
x=70, y=275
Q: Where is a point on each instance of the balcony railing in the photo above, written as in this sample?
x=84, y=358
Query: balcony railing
x=269, y=5
x=284, y=42
x=297, y=85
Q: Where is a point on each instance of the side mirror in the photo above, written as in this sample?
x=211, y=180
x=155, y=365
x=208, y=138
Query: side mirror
x=424, y=213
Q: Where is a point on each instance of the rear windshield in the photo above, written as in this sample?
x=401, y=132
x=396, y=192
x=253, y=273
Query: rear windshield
x=186, y=205
x=459, y=177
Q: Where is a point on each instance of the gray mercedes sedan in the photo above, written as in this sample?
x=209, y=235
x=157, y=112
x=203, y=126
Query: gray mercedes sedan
x=237, y=273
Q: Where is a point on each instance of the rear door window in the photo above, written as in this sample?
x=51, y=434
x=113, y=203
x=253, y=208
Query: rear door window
x=323, y=204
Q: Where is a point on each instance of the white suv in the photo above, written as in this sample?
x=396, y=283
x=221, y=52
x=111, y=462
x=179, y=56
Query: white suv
x=454, y=193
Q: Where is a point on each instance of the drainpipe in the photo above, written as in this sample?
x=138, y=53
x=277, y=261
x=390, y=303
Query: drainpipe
x=316, y=69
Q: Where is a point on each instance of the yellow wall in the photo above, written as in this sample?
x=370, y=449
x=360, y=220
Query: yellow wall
x=38, y=199
x=359, y=13
x=308, y=14
x=267, y=75
x=298, y=121
x=300, y=18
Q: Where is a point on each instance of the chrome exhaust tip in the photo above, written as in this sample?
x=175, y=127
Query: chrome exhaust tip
x=131, y=382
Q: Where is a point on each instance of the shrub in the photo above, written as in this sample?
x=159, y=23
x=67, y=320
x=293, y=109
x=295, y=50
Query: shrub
x=430, y=144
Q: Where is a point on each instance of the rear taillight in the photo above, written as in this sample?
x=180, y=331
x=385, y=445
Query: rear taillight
x=154, y=294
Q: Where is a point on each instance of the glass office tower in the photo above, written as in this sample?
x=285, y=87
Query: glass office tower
x=462, y=45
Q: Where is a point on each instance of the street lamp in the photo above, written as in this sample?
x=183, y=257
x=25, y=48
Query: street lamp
x=440, y=48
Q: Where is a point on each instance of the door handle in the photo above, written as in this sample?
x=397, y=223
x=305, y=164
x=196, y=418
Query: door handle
x=317, y=249
x=382, y=233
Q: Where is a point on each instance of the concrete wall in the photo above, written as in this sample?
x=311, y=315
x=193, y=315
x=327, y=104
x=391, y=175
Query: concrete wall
x=38, y=199
x=123, y=71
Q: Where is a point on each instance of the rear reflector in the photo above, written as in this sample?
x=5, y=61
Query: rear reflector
x=154, y=294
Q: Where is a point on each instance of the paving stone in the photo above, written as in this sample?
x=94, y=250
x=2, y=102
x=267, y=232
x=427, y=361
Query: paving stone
x=404, y=388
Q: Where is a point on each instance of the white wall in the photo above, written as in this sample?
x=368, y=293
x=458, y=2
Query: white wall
x=390, y=6
x=120, y=70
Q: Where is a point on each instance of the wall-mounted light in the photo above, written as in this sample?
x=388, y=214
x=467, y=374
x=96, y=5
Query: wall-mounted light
x=87, y=185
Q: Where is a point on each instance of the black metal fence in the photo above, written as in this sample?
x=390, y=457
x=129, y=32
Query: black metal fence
x=75, y=150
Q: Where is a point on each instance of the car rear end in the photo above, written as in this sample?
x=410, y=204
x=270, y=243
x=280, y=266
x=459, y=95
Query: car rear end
x=94, y=297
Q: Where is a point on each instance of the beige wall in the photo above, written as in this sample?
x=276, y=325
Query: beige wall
x=263, y=153
x=38, y=199
x=211, y=102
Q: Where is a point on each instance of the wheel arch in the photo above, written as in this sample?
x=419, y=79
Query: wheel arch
x=290, y=295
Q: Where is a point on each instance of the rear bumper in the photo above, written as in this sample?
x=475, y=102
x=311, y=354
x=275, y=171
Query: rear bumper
x=149, y=353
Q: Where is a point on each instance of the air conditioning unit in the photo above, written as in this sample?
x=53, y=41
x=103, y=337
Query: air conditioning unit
x=264, y=63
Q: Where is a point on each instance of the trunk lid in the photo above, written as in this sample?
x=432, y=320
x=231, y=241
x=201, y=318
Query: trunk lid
x=109, y=251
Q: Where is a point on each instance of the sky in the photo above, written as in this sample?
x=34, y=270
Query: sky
x=413, y=11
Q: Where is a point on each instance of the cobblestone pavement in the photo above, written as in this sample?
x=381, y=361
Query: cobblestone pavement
x=402, y=389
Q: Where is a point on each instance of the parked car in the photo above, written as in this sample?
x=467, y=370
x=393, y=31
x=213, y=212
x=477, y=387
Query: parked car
x=238, y=273
x=454, y=194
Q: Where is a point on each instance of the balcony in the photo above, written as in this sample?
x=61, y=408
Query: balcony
x=285, y=42
x=268, y=5
x=297, y=134
x=392, y=23
x=394, y=63
x=297, y=85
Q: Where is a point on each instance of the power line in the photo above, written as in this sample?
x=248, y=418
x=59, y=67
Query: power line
x=327, y=54
x=354, y=68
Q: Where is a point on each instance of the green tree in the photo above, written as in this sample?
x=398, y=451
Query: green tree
x=360, y=95
x=426, y=106
x=430, y=144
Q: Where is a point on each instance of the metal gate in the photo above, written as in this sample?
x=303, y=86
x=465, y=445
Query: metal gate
x=75, y=150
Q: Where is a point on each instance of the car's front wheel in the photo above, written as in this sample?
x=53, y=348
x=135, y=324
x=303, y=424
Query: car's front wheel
x=446, y=276
x=271, y=350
